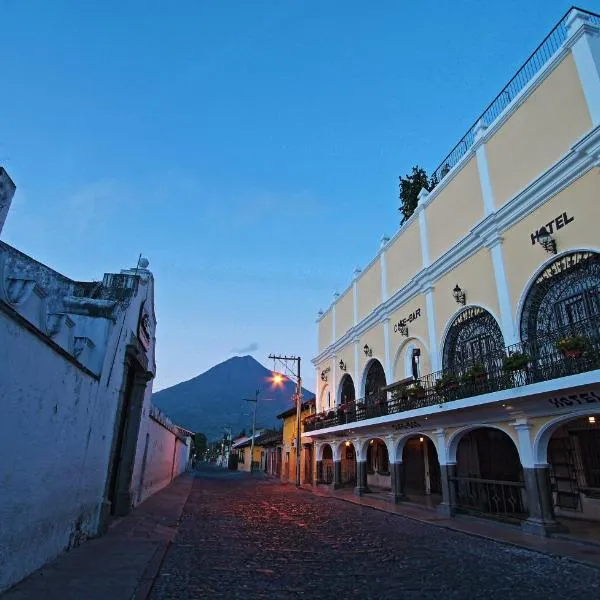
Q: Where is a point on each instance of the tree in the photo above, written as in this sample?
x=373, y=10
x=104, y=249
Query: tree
x=200, y=444
x=410, y=186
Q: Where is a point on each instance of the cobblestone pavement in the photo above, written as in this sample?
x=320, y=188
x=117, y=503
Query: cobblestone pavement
x=244, y=537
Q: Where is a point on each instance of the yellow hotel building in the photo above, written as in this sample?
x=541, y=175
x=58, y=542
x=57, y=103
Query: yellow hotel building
x=461, y=367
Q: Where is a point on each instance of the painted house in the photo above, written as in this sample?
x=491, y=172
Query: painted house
x=461, y=367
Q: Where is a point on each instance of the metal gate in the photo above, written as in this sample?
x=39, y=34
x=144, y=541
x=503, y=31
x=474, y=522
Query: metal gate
x=563, y=474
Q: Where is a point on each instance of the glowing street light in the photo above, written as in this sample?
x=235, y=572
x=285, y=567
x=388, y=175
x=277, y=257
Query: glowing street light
x=277, y=379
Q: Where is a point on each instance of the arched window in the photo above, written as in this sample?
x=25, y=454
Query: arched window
x=565, y=296
x=473, y=336
x=347, y=393
x=374, y=381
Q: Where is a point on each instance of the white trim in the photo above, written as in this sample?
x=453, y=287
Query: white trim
x=582, y=157
x=401, y=350
x=502, y=396
x=584, y=38
x=485, y=181
x=506, y=318
x=334, y=379
x=387, y=351
x=355, y=297
x=425, y=257
x=356, y=378
x=434, y=354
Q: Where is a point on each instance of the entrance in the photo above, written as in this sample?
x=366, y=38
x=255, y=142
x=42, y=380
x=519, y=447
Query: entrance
x=421, y=473
x=348, y=465
x=326, y=474
x=308, y=464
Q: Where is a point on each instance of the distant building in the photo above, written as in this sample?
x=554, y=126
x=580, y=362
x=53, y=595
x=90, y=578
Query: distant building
x=460, y=368
x=290, y=432
x=80, y=441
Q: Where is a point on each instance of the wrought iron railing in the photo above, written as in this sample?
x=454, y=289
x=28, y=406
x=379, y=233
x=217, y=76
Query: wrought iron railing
x=530, y=361
x=490, y=497
x=540, y=56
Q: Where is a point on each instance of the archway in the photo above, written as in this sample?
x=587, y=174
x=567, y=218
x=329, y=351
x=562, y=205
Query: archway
x=378, y=466
x=325, y=465
x=421, y=473
x=489, y=476
x=573, y=453
x=564, y=297
x=348, y=464
x=326, y=400
x=474, y=336
x=347, y=390
x=374, y=381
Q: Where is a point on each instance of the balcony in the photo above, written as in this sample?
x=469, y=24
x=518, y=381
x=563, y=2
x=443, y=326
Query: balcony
x=568, y=351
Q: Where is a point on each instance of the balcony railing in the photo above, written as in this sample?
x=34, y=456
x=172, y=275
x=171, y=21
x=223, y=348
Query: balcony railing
x=540, y=56
x=567, y=351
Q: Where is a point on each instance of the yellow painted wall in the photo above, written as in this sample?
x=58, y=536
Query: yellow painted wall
x=289, y=434
x=580, y=202
x=375, y=340
x=347, y=355
x=538, y=133
x=344, y=313
x=245, y=465
x=403, y=258
x=325, y=331
x=369, y=290
x=476, y=278
x=452, y=214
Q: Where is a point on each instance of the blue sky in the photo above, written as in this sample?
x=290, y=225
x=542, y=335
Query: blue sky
x=251, y=150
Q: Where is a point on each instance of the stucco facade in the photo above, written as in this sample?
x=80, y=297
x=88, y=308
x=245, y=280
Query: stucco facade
x=470, y=281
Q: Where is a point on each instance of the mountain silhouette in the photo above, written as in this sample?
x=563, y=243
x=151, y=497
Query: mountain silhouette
x=214, y=400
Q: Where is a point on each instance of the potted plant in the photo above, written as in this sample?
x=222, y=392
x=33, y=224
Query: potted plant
x=447, y=382
x=476, y=372
x=572, y=346
x=416, y=390
x=515, y=362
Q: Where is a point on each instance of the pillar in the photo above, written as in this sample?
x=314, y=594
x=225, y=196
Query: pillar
x=397, y=482
x=448, y=504
x=361, y=478
x=337, y=474
x=541, y=520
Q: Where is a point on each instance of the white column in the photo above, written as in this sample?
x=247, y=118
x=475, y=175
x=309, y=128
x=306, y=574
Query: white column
x=357, y=367
x=387, y=350
x=334, y=398
x=584, y=38
x=420, y=210
x=383, y=268
x=431, y=329
x=482, y=166
x=335, y=298
x=506, y=317
x=355, y=276
x=523, y=427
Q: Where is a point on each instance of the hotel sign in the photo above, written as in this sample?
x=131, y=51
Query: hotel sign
x=578, y=399
x=556, y=223
x=406, y=425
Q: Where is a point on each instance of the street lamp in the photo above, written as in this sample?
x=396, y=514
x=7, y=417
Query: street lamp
x=459, y=295
x=546, y=240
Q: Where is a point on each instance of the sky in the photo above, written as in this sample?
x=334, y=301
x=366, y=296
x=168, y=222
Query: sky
x=249, y=149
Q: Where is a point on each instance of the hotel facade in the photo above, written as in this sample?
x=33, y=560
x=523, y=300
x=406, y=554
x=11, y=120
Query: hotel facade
x=461, y=366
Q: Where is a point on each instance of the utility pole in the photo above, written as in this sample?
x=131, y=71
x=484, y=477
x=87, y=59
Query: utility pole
x=255, y=400
x=298, y=399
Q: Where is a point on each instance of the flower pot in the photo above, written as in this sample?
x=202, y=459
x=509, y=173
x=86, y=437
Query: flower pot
x=572, y=353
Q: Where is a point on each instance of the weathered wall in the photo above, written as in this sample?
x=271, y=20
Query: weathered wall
x=55, y=436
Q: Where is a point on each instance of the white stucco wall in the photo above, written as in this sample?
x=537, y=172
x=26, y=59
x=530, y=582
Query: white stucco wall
x=55, y=437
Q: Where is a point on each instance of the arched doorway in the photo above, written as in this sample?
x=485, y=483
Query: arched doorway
x=489, y=476
x=421, y=474
x=378, y=466
x=573, y=453
x=473, y=337
x=325, y=474
x=347, y=391
x=348, y=464
x=374, y=381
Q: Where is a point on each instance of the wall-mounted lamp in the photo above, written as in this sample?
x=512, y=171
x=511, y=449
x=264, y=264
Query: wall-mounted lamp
x=342, y=365
x=347, y=444
x=546, y=240
x=323, y=376
x=421, y=440
x=368, y=351
x=592, y=419
x=459, y=295
x=402, y=330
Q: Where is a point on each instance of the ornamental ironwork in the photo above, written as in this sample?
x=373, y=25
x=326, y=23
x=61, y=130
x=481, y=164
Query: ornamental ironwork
x=473, y=335
x=375, y=380
x=565, y=294
x=348, y=393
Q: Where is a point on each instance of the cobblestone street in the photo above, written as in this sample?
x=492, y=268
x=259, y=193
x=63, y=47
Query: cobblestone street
x=245, y=537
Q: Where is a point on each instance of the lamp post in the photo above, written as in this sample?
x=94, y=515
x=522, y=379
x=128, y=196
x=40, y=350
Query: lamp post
x=255, y=400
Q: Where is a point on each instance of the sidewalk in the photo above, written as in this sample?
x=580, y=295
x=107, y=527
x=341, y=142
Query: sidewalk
x=507, y=534
x=120, y=565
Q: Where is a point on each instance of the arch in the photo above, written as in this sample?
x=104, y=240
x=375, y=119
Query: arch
x=562, y=292
x=455, y=438
x=346, y=389
x=348, y=463
x=321, y=454
x=421, y=470
x=470, y=335
x=401, y=354
x=542, y=438
x=373, y=378
x=397, y=446
x=377, y=460
x=324, y=399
